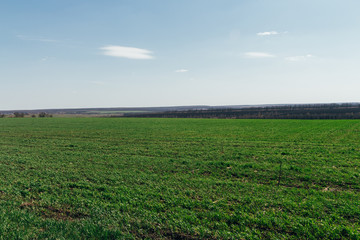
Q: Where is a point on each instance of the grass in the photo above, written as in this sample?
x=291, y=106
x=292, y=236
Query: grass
x=93, y=178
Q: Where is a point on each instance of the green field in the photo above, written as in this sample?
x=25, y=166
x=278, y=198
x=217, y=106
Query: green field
x=93, y=178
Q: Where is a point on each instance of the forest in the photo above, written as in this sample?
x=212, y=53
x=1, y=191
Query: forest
x=301, y=111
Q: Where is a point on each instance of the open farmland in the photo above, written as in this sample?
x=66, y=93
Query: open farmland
x=83, y=178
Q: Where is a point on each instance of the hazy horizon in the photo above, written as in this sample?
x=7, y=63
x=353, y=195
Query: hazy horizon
x=91, y=54
x=178, y=106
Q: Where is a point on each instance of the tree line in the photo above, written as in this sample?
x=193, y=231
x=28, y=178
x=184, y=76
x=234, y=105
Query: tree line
x=24, y=114
x=304, y=111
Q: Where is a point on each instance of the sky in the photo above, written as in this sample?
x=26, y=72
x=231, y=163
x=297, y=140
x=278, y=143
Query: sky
x=142, y=53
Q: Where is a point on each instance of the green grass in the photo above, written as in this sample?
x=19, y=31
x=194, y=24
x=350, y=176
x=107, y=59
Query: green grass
x=93, y=178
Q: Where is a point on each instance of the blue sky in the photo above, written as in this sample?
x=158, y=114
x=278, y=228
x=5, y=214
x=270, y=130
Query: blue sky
x=116, y=53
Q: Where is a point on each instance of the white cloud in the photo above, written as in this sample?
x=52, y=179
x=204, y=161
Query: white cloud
x=181, y=70
x=299, y=58
x=127, y=52
x=259, y=55
x=267, y=33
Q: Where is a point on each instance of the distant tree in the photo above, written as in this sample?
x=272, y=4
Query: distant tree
x=2, y=115
x=19, y=114
x=44, y=114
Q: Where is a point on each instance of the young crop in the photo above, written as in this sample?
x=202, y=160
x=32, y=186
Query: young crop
x=105, y=178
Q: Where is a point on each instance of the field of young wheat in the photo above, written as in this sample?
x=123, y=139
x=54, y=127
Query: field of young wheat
x=93, y=178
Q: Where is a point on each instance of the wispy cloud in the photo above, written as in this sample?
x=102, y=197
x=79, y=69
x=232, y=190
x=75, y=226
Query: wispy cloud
x=181, y=70
x=38, y=39
x=259, y=55
x=127, y=52
x=46, y=59
x=267, y=33
x=299, y=58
